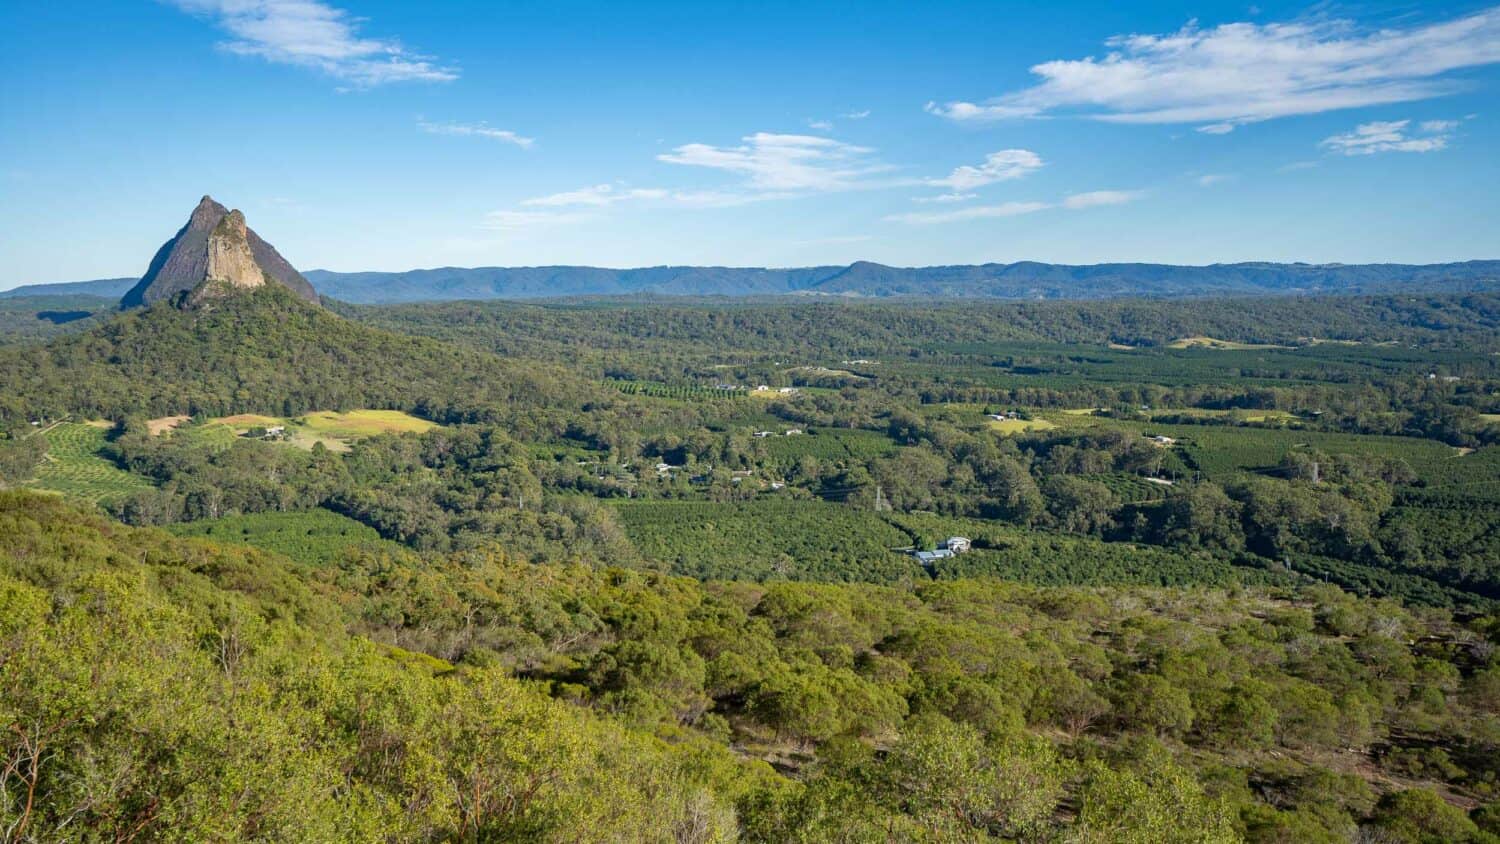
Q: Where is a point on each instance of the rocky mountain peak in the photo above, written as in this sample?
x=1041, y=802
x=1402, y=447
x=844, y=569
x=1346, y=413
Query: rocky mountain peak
x=214, y=254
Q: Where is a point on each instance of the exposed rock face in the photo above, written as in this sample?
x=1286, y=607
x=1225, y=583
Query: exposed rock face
x=215, y=251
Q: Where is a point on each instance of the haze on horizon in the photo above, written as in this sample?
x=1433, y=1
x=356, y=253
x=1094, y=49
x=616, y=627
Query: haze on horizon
x=363, y=135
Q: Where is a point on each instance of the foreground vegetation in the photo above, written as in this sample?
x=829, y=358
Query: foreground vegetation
x=211, y=692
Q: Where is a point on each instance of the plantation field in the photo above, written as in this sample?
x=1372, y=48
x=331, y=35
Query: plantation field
x=1042, y=366
x=314, y=537
x=768, y=540
x=75, y=467
x=828, y=444
x=1475, y=475
x=1220, y=451
x=681, y=392
x=1235, y=415
x=1223, y=450
x=1040, y=557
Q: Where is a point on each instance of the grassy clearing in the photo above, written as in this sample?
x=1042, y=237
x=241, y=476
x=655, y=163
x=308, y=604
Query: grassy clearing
x=1010, y=427
x=157, y=427
x=75, y=467
x=333, y=429
x=1201, y=342
x=357, y=424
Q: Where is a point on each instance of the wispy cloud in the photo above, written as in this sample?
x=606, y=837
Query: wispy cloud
x=1208, y=180
x=976, y=212
x=1098, y=198
x=313, y=34
x=773, y=162
x=1390, y=136
x=475, y=130
x=999, y=166
x=1073, y=202
x=820, y=125
x=946, y=197
x=855, y=115
x=597, y=196
x=1244, y=72
x=1296, y=165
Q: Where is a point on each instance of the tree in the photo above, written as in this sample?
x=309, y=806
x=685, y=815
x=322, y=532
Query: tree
x=1158, y=803
x=1204, y=517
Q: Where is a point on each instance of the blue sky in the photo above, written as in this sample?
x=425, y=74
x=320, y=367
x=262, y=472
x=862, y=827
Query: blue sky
x=390, y=135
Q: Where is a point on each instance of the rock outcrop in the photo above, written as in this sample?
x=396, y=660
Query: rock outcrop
x=214, y=254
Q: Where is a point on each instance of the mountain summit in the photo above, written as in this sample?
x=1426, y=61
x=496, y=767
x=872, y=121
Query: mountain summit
x=213, y=253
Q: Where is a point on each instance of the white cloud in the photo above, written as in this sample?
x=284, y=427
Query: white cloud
x=946, y=197
x=1097, y=198
x=772, y=162
x=820, y=125
x=1439, y=126
x=1074, y=202
x=1004, y=209
x=1245, y=72
x=1216, y=128
x=855, y=115
x=1389, y=136
x=476, y=130
x=999, y=166
x=598, y=196
x=1210, y=179
x=313, y=34
x=605, y=195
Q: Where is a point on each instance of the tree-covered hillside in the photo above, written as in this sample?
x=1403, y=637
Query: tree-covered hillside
x=263, y=351
x=158, y=688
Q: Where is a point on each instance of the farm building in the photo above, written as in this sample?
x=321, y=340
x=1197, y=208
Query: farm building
x=957, y=544
x=927, y=558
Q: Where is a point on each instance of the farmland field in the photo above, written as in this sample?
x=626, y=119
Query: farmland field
x=316, y=537
x=1007, y=427
x=74, y=465
x=768, y=540
x=335, y=430
x=828, y=444
x=1215, y=343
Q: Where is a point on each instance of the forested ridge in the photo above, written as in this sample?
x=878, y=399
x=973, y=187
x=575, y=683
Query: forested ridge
x=262, y=351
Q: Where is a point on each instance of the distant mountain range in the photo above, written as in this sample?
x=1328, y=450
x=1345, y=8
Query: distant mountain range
x=1024, y=280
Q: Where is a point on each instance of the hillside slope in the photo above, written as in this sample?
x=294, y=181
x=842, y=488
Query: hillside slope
x=257, y=351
